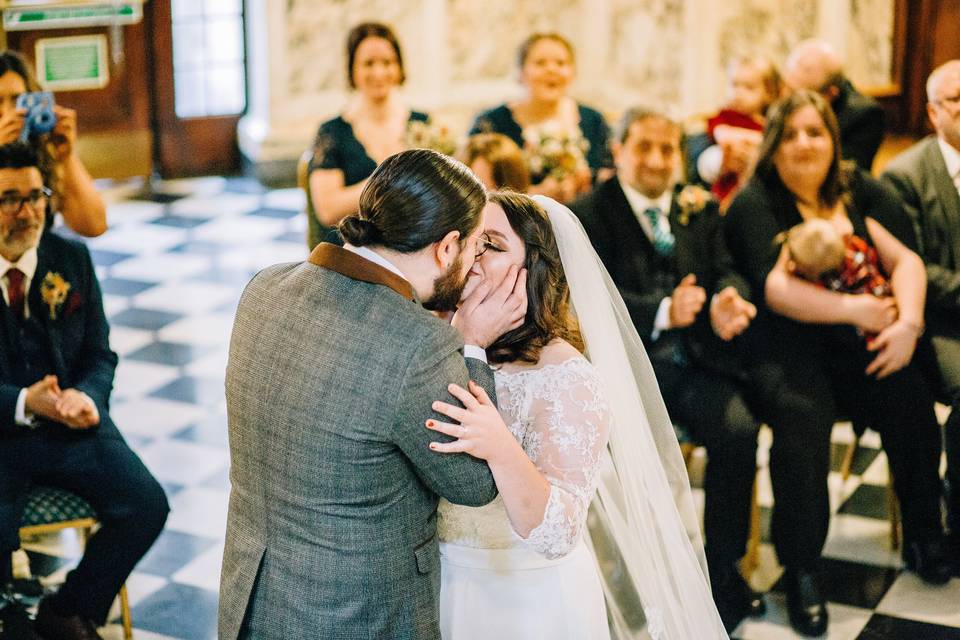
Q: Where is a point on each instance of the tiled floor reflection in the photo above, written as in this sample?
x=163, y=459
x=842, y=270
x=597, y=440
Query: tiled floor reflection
x=172, y=269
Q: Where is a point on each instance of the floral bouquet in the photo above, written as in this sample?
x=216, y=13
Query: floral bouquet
x=426, y=135
x=554, y=153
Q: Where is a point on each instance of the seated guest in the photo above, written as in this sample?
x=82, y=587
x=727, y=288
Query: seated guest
x=663, y=247
x=497, y=161
x=735, y=131
x=927, y=177
x=808, y=365
x=56, y=373
x=372, y=127
x=566, y=142
x=74, y=194
x=815, y=66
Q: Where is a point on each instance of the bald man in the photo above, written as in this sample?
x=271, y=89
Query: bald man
x=816, y=66
x=927, y=176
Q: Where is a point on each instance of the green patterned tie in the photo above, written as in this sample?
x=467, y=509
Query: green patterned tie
x=663, y=240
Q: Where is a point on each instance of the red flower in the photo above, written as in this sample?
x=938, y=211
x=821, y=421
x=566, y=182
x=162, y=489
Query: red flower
x=74, y=302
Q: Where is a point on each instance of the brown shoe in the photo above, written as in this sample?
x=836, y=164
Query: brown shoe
x=53, y=626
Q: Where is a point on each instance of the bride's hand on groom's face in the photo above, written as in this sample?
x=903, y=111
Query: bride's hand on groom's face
x=481, y=432
x=489, y=312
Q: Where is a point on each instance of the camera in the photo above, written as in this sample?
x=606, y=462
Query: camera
x=40, y=117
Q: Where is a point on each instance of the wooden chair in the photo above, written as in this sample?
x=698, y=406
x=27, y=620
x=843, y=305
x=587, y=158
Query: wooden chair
x=751, y=559
x=893, y=505
x=51, y=510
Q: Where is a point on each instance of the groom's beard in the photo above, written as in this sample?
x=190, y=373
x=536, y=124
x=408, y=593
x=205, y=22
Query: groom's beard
x=448, y=288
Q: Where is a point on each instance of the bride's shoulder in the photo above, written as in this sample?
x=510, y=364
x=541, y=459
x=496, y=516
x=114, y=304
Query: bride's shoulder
x=558, y=352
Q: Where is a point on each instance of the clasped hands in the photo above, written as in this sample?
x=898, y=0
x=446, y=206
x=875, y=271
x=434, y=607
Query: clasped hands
x=896, y=337
x=730, y=314
x=71, y=407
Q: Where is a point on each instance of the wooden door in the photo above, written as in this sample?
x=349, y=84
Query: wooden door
x=199, y=85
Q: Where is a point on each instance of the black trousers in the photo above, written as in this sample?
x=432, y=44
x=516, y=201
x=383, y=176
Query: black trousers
x=710, y=406
x=802, y=390
x=130, y=504
x=947, y=349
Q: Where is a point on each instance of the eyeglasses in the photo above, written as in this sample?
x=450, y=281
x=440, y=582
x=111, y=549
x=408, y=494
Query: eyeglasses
x=12, y=202
x=482, y=245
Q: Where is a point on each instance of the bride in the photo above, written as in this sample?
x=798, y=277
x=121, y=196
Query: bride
x=583, y=438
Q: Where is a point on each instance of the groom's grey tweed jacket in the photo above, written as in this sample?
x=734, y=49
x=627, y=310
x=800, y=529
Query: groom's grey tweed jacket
x=332, y=526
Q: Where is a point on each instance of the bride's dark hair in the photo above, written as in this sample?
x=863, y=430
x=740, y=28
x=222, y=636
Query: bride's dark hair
x=549, y=315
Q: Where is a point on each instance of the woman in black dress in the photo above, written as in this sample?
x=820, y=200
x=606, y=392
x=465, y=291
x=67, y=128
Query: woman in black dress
x=808, y=362
x=546, y=64
x=372, y=127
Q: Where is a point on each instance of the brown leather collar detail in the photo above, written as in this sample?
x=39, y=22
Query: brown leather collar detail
x=355, y=267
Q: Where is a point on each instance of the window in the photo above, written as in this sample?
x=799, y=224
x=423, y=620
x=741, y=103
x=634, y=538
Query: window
x=208, y=58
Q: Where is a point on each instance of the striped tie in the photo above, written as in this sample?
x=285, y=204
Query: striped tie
x=663, y=240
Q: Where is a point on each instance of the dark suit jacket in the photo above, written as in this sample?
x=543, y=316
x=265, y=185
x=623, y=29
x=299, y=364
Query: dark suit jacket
x=629, y=256
x=78, y=338
x=861, y=121
x=931, y=200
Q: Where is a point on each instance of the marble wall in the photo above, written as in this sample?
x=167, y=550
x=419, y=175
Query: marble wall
x=460, y=54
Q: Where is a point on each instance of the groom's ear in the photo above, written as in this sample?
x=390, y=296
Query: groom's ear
x=447, y=249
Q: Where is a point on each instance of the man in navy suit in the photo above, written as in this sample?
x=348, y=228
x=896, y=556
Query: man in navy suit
x=663, y=248
x=56, y=374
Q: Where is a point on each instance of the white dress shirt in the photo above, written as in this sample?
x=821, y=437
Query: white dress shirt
x=951, y=156
x=469, y=350
x=638, y=204
x=28, y=265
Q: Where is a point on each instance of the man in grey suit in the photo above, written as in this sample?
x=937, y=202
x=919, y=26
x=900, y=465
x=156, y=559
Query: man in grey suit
x=334, y=365
x=927, y=176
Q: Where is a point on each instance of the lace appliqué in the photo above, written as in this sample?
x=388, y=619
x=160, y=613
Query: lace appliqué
x=559, y=416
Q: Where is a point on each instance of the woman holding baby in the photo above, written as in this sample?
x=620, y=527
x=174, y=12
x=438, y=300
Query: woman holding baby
x=811, y=363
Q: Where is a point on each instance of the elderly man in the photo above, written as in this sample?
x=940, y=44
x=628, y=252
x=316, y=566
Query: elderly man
x=927, y=176
x=56, y=374
x=816, y=66
x=662, y=246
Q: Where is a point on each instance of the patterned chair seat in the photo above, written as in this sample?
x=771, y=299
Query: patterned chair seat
x=47, y=505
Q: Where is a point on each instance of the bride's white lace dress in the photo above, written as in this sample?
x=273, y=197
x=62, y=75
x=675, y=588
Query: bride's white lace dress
x=495, y=584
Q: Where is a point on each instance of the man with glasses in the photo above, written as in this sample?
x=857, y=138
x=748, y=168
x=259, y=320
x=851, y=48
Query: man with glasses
x=927, y=176
x=56, y=374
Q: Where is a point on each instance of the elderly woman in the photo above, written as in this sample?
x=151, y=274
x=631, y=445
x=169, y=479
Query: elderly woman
x=497, y=161
x=546, y=66
x=810, y=361
x=372, y=127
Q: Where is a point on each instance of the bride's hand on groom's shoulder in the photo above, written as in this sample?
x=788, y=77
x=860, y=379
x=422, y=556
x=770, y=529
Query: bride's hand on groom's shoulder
x=488, y=313
x=481, y=432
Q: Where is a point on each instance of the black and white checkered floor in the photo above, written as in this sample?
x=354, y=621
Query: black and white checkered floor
x=172, y=268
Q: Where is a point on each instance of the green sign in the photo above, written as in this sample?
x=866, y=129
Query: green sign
x=93, y=15
x=70, y=64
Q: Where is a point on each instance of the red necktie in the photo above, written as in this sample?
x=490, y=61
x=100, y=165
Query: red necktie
x=15, y=291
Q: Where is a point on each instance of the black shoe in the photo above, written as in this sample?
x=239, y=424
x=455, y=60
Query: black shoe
x=953, y=551
x=52, y=625
x=805, y=602
x=928, y=560
x=15, y=623
x=735, y=599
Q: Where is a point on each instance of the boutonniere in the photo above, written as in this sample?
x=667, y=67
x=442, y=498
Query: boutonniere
x=54, y=290
x=692, y=200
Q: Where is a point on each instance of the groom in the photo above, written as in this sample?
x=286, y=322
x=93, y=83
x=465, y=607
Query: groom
x=334, y=364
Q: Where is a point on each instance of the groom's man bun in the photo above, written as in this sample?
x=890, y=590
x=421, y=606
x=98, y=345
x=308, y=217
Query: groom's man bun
x=413, y=199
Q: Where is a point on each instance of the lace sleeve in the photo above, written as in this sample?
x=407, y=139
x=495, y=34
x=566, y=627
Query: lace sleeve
x=566, y=440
